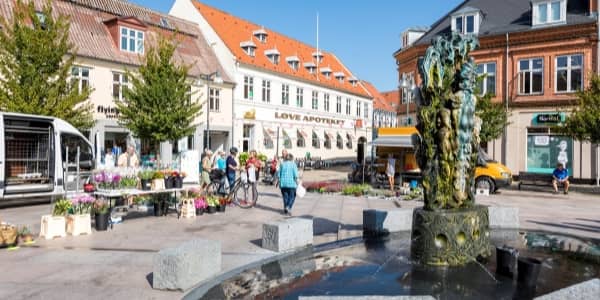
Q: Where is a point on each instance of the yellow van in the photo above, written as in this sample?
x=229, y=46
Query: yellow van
x=489, y=174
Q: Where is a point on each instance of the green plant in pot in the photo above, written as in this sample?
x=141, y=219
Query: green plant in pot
x=62, y=207
x=146, y=177
x=25, y=235
x=101, y=214
x=212, y=202
x=243, y=158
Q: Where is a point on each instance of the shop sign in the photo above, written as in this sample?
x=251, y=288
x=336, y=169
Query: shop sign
x=110, y=112
x=555, y=118
x=307, y=119
x=542, y=140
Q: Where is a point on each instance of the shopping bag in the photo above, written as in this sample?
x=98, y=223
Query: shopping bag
x=300, y=191
x=251, y=174
x=244, y=177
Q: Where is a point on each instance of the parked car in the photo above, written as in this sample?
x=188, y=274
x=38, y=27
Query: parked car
x=41, y=158
x=490, y=174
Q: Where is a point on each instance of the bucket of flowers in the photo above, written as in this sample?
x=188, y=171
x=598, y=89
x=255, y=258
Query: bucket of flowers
x=212, y=202
x=80, y=222
x=200, y=205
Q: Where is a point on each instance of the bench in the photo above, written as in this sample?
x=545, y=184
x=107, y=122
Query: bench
x=529, y=178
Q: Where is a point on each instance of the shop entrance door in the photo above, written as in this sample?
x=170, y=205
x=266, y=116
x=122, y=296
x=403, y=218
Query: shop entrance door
x=248, y=137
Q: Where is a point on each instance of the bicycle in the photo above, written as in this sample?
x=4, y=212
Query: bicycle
x=240, y=195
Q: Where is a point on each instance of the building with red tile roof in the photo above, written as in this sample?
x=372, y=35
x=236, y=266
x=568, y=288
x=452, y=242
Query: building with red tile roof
x=289, y=94
x=110, y=37
x=384, y=113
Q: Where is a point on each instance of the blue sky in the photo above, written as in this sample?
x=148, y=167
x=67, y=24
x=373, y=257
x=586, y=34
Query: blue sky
x=363, y=34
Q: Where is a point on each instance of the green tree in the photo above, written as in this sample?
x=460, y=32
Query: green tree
x=36, y=59
x=494, y=117
x=158, y=105
x=584, y=120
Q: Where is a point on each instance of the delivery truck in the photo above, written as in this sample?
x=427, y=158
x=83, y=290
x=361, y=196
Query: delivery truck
x=41, y=158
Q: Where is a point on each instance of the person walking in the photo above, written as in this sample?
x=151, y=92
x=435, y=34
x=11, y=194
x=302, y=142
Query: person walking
x=206, y=169
x=288, y=182
x=253, y=165
x=232, y=167
x=390, y=171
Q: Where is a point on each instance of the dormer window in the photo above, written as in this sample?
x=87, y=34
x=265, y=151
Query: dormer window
x=310, y=67
x=41, y=18
x=248, y=47
x=339, y=76
x=548, y=12
x=261, y=35
x=132, y=40
x=466, y=21
x=273, y=55
x=353, y=81
x=326, y=72
x=164, y=23
x=293, y=62
x=318, y=56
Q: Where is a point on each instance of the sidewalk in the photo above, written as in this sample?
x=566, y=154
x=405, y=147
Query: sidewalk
x=117, y=264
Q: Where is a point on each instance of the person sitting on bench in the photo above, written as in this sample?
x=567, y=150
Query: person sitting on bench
x=560, y=175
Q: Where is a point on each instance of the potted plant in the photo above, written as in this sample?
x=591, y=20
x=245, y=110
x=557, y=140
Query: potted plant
x=160, y=204
x=212, y=202
x=222, y=204
x=169, y=179
x=128, y=182
x=8, y=235
x=243, y=158
x=158, y=181
x=25, y=235
x=178, y=179
x=54, y=225
x=200, y=205
x=101, y=215
x=146, y=177
x=80, y=221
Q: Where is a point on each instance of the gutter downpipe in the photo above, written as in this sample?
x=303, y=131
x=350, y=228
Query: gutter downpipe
x=506, y=97
x=598, y=72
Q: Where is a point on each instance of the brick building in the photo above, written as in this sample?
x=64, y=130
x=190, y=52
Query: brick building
x=536, y=54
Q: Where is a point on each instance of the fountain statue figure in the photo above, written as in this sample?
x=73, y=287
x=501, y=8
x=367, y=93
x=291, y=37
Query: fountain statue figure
x=450, y=229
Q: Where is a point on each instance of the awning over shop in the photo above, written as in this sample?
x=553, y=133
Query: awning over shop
x=317, y=134
x=329, y=134
x=302, y=134
x=404, y=141
x=270, y=132
x=286, y=133
x=349, y=136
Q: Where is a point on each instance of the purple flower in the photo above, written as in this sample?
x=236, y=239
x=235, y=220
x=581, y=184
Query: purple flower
x=99, y=178
x=116, y=178
x=108, y=177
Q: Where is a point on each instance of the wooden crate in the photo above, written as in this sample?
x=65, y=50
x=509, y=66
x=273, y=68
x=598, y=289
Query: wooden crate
x=79, y=224
x=52, y=226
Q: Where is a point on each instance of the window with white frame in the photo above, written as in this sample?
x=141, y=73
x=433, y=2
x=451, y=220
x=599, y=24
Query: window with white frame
x=366, y=111
x=248, y=88
x=488, y=84
x=569, y=73
x=358, y=107
x=315, y=100
x=531, y=78
x=348, y=106
x=407, y=93
x=466, y=23
x=266, y=91
x=132, y=40
x=120, y=83
x=299, y=97
x=338, y=104
x=214, y=102
x=80, y=77
x=549, y=12
x=285, y=94
x=294, y=65
x=326, y=102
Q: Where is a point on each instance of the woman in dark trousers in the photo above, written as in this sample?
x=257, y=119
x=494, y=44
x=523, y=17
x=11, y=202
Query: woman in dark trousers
x=288, y=178
x=232, y=167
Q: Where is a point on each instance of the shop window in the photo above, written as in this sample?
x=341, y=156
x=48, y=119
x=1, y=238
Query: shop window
x=545, y=150
x=569, y=73
x=268, y=143
x=348, y=141
x=327, y=143
x=247, y=133
x=300, y=142
x=316, y=143
x=340, y=142
x=531, y=76
x=287, y=141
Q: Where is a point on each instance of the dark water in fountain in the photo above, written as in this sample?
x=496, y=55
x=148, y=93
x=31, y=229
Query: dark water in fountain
x=383, y=267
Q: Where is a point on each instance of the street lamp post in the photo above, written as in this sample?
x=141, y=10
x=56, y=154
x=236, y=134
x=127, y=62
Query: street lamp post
x=207, y=78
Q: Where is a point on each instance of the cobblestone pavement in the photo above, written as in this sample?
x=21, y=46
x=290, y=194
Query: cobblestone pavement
x=117, y=264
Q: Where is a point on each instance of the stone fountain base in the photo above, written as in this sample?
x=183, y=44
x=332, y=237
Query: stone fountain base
x=450, y=238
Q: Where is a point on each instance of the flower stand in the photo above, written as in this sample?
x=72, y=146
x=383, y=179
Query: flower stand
x=52, y=226
x=188, y=210
x=79, y=224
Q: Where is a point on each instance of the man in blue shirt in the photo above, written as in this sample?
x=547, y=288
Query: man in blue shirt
x=232, y=167
x=560, y=175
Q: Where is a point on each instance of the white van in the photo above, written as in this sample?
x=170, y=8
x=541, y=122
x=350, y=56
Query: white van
x=41, y=158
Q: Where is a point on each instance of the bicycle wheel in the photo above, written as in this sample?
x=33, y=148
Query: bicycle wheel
x=242, y=195
x=212, y=188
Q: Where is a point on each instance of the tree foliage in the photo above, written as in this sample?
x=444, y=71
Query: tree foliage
x=493, y=115
x=36, y=59
x=157, y=107
x=583, y=123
